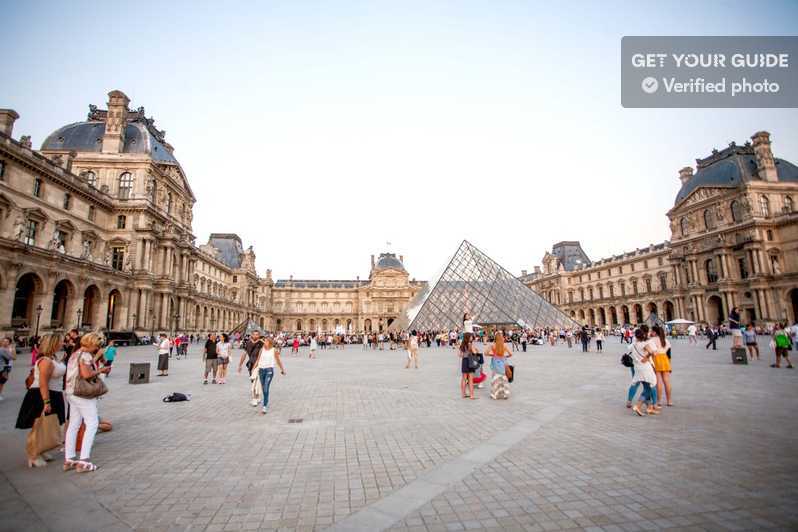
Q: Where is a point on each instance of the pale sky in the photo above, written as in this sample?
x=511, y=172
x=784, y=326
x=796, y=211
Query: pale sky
x=318, y=131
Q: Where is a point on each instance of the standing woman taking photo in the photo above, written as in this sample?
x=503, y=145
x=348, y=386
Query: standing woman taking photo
x=82, y=409
x=44, y=396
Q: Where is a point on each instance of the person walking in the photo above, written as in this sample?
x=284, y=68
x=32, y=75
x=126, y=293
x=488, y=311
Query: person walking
x=749, y=335
x=109, y=355
x=691, y=334
x=250, y=354
x=211, y=358
x=267, y=358
x=7, y=357
x=82, y=409
x=585, y=338
x=44, y=397
x=163, y=355
x=412, y=350
x=524, y=340
x=712, y=338
x=660, y=346
x=314, y=345
x=782, y=343
x=224, y=349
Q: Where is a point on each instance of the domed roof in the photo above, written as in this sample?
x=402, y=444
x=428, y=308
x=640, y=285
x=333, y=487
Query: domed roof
x=88, y=137
x=389, y=261
x=731, y=167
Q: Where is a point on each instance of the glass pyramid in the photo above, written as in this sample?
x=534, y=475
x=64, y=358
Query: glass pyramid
x=473, y=282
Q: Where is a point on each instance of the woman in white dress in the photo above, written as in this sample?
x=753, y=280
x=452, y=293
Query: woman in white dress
x=641, y=354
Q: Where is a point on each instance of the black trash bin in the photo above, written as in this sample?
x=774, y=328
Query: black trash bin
x=739, y=355
x=139, y=373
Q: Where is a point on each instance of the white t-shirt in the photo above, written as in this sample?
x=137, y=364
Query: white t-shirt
x=72, y=369
x=266, y=359
x=691, y=330
x=468, y=326
x=223, y=350
x=313, y=344
x=163, y=347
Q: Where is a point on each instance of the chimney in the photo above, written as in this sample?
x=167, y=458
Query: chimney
x=7, y=119
x=115, y=122
x=537, y=269
x=523, y=273
x=372, y=262
x=26, y=141
x=765, y=164
x=685, y=174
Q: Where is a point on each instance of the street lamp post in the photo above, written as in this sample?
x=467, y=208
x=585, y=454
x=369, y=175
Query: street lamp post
x=80, y=314
x=39, y=310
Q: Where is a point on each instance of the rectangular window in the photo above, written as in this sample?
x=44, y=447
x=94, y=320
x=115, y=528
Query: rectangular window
x=30, y=232
x=2, y=170
x=659, y=261
x=121, y=221
x=67, y=201
x=37, y=187
x=117, y=258
x=92, y=213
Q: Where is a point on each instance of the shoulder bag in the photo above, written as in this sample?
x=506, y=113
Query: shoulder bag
x=88, y=388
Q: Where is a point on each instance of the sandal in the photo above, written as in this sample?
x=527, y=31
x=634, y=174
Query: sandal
x=69, y=464
x=85, y=467
x=637, y=411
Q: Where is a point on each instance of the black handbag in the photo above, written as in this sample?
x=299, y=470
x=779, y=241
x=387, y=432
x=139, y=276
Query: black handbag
x=473, y=362
x=626, y=360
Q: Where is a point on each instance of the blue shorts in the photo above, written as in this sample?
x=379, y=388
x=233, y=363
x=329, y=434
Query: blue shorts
x=497, y=365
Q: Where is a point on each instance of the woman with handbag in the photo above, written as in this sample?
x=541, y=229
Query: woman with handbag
x=44, y=398
x=82, y=389
x=468, y=364
x=499, y=382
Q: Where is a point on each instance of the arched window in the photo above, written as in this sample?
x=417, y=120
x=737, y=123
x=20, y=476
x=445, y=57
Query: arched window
x=709, y=219
x=91, y=178
x=788, y=204
x=684, y=226
x=764, y=206
x=736, y=211
x=125, y=185
x=712, y=273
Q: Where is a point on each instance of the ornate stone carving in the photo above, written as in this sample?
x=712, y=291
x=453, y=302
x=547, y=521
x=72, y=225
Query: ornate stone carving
x=19, y=228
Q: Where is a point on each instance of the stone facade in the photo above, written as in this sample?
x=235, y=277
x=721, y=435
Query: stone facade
x=96, y=232
x=369, y=305
x=734, y=242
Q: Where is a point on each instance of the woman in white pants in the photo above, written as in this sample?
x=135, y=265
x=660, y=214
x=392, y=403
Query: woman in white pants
x=82, y=410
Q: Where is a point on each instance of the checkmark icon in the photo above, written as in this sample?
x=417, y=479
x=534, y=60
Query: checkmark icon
x=650, y=85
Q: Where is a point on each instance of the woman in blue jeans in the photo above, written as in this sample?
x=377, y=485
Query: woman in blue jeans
x=267, y=357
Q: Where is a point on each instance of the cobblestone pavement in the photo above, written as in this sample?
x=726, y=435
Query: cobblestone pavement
x=382, y=447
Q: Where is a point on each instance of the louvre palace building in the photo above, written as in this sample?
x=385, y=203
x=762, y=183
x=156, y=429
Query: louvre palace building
x=96, y=233
x=734, y=242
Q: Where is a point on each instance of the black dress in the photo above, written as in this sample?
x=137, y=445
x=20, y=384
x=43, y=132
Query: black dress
x=32, y=406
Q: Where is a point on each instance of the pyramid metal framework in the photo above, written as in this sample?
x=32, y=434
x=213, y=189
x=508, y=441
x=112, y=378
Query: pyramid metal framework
x=475, y=283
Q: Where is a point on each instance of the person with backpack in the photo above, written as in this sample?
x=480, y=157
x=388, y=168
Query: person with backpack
x=643, y=372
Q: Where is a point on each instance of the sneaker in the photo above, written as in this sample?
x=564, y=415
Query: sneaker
x=254, y=402
x=205, y=381
x=213, y=381
x=264, y=410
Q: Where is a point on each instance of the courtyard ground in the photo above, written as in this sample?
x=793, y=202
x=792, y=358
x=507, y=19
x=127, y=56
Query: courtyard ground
x=382, y=447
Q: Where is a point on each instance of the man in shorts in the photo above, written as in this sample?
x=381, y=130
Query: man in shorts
x=211, y=358
x=734, y=325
